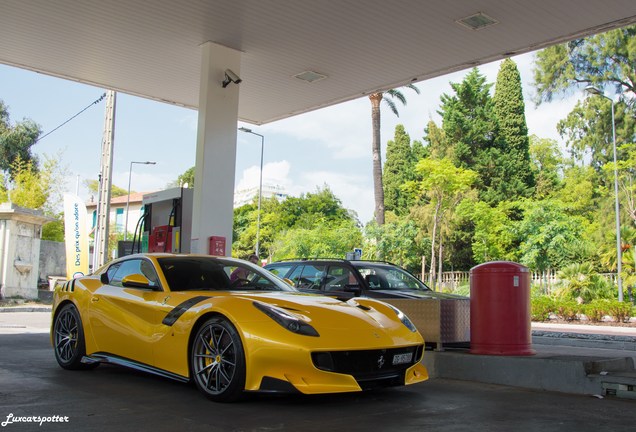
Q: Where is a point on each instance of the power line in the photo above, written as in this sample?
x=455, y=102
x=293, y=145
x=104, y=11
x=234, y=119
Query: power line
x=101, y=98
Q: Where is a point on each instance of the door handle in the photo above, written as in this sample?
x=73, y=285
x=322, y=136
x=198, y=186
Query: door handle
x=94, y=299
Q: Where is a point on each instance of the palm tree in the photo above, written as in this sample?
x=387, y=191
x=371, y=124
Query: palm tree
x=376, y=99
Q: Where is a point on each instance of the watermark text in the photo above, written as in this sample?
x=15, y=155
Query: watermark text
x=34, y=419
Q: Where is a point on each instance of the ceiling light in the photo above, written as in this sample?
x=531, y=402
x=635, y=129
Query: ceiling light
x=477, y=22
x=310, y=76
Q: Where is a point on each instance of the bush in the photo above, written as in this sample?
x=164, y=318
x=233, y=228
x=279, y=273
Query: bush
x=620, y=311
x=541, y=308
x=596, y=310
x=463, y=290
x=567, y=310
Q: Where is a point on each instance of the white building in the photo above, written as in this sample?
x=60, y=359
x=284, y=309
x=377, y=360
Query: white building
x=247, y=196
x=117, y=217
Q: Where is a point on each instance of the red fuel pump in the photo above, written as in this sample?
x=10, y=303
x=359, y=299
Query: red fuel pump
x=160, y=239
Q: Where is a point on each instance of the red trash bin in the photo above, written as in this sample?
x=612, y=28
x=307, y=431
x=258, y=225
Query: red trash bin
x=500, y=309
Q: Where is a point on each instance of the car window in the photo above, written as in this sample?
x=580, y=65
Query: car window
x=383, y=277
x=280, y=270
x=310, y=277
x=338, y=277
x=112, y=270
x=205, y=274
x=191, y=274
x=133, y=266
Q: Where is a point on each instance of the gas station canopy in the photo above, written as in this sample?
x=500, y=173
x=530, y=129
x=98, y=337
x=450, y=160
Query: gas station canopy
x=296, y=55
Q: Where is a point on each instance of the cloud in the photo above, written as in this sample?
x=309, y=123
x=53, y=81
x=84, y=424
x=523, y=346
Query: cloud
x=355, y=191
x=276, y=173
x=143, y=181
x=344, y=129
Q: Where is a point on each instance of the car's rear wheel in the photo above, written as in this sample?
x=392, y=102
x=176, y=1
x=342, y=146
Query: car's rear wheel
x=217, y=361
x=68, y=339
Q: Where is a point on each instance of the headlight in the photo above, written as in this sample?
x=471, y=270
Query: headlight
x=405, y=320
x=287, y=320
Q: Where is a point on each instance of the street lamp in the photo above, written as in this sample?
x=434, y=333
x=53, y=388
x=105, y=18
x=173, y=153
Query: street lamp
x=128, y=197
x=619, y=251
x=260, y=187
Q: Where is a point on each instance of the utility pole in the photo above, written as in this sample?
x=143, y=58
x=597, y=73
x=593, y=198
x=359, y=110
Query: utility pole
x=100, y=251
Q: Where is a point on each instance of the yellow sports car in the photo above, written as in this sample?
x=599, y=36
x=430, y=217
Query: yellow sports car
x=231, y=327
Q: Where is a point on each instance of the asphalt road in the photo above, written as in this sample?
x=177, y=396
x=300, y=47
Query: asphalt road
x=117, y=399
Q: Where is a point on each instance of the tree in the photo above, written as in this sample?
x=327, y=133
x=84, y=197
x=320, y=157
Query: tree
x=397, y=241
x=468, y=120
x=470, y=127
x=33, y=188
x=304, y=216
x=186, y=178
x=439, y=147
x=398, y=169
x=323, y=239
x=376, y=99
x=494, y=233
x=605, y=59
x=16, y=140
x=627, y=177
x=517, y=179
x=115, y=191
x=547, y=165
x=443, y=184
x=547, y=231
x=589, y=133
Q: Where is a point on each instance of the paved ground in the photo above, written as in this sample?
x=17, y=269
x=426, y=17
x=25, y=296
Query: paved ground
x=112, y=398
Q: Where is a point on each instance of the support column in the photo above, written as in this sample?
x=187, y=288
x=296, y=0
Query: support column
x=216, y=148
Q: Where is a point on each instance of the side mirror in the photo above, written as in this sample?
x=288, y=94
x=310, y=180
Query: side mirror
x=136, y=281
x=104, y=278
x=289, y=281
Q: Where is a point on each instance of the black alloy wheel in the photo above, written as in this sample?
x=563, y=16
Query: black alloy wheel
x=68, y=339
x=217, y=361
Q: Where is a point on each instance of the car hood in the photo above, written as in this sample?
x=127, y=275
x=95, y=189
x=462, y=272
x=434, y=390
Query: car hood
x=331, y=313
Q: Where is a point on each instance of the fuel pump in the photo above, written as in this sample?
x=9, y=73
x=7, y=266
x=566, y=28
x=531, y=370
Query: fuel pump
x=165, y=225
x=168, y=220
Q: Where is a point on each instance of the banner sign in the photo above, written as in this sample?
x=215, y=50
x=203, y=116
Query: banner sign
x=75, y=237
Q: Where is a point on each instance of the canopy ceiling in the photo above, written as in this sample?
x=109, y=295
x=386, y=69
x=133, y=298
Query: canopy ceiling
x=152, y=48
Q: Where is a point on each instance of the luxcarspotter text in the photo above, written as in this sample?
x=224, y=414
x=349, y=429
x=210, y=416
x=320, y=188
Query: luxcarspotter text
x=34, y=419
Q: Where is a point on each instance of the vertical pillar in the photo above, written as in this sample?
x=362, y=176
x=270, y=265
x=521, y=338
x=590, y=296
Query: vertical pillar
x=216, y=148
x=100, y=252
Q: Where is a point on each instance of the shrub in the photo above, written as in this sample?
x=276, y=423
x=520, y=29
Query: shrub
x=463, y=290
x=567, y=310
x=582, y=281
x=541, y=308
x=596, y=310
x=620, y=311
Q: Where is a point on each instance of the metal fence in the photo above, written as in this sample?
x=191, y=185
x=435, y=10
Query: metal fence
x=450, y=281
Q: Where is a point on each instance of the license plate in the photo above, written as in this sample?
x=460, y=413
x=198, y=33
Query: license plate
x=402, y=358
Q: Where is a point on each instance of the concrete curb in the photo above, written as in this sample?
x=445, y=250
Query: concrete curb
x=605, y=341
x=562, y=373
x=25, y=309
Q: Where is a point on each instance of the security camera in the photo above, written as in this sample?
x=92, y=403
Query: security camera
x=231, y=77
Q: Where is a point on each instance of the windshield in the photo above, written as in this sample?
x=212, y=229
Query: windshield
x=200, y=273
x=388, y=277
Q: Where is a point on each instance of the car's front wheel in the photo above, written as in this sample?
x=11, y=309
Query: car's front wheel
x=217, y=360
x=68, y=339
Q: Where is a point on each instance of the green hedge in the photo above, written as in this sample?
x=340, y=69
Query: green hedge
x=543, y=307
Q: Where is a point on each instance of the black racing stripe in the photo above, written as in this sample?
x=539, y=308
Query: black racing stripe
x=181, y=308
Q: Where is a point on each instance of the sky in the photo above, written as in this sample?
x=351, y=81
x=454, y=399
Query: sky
x=330, y=146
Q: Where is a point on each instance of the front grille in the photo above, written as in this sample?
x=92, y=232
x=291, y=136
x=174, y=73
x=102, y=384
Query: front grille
x=373, y=367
